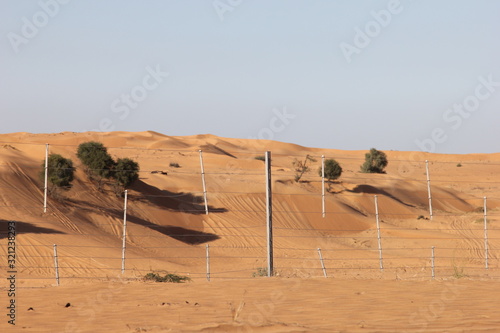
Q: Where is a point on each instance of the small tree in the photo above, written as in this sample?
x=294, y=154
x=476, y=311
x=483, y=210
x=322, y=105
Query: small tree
x=301, y=167
x=126, y=172
x=375, y=161
x=333, y=170
x=99, y=164
x=60, y=172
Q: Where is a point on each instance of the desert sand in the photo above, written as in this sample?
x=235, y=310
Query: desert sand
x=168, y=231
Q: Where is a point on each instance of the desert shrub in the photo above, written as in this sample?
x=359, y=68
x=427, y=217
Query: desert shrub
x=96, y=159
x=260, y=158
x=459, y=165
x=169, y=277
x=479, y=209
x=261, y=271
x=174, y=165
x=301, y=167
x=458, y=272
x=375, y=162
x=60, y=171
x=126, y=171
x=333, y=170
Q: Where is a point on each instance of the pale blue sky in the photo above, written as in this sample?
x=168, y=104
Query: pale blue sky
x=231, y=63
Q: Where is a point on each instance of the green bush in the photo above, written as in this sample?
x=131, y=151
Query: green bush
x=333, y=170
x=100, y=165
x=60, y=171
x=375, y=162
x=166, y=278
x=260, y=158
x=126, y=171
x=96, y=159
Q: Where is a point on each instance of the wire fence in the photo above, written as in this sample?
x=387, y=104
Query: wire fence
x=202, y=213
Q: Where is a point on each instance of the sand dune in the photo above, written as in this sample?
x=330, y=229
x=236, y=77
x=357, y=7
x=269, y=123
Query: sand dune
x=168, y=230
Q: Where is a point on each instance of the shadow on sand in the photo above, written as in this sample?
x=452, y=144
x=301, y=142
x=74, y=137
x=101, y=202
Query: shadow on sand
x=368, y=189
x=24, y=228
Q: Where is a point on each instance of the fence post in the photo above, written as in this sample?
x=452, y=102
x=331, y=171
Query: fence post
x=428, y=187
x=485, y=235
x=269, y=215
x=56, y=264
x=203, y=182
x=378, y=235
x=124, y=237
x=323, y=185
x=432, y=263
x=322, y=262
x=46, y=178
x=208, y=262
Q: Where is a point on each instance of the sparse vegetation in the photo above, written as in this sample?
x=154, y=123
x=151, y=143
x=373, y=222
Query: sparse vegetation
x=333, y=171
x=100, y=166
x=260, y=158
x=479, y=209
x=98, y=163
x=126, y=172
x=10, y=147
x=459, y=165
x=375, y=162
x=458, y=272
x=159, y=172
x=169, y=277
x=60, y=172
x=261, y=271
x=301, y=167
x=174, y=165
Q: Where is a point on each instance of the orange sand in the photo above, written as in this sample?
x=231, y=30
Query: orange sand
x=168, y=231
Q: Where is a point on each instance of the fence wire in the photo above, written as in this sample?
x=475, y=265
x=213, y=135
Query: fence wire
x=465, y=240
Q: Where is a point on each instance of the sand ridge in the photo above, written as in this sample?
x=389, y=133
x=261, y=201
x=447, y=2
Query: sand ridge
x=168, y=229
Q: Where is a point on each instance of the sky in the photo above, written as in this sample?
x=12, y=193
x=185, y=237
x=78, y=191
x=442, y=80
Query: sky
x=411, y=75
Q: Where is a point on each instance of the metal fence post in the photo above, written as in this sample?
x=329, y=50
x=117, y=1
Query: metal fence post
x=429, y=188
x=269, y=216
x=56, y=264
x=203, y=182
x=46, y=185
x=323, y=185
x=322, y=262
x=124, y=237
